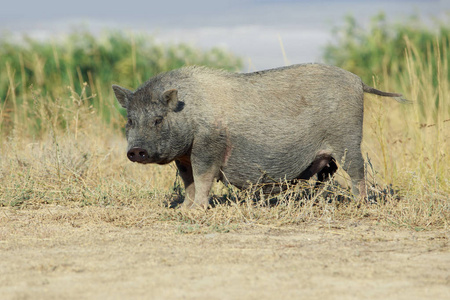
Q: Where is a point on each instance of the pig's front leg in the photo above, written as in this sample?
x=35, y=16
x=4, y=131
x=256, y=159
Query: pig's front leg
x=206, y=165
x=203, y=184
x=185, y=170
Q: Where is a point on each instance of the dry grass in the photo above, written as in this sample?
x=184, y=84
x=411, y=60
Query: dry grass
x=84, y=164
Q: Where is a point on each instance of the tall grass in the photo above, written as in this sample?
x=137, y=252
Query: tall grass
x=413, y=59
x=62, y=144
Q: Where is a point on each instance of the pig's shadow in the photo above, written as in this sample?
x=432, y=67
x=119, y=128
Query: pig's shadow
x=332, y=192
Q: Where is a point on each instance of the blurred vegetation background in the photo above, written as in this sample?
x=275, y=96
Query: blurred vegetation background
x=41, y=72
x=35, y=71
x=381, y=49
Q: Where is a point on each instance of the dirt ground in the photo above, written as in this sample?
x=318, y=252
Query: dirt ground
x=44, y=255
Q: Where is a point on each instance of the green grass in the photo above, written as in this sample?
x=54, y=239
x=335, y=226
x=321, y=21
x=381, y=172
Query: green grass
x=35, y=75
x=380, y=49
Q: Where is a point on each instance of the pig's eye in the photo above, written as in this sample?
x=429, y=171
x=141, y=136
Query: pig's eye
x=158, y=121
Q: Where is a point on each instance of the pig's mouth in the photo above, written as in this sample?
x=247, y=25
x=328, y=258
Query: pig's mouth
x=154, y=161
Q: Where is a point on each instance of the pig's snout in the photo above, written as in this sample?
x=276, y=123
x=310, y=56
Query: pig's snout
x=137, y=155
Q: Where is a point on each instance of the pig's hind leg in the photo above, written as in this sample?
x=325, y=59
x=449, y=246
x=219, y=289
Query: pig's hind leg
x=323, y=165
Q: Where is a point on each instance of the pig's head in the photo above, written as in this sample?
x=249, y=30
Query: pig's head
x=157, y=131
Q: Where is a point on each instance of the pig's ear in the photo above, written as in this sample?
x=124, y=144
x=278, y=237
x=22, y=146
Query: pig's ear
x=122, y=95
x=170, y=97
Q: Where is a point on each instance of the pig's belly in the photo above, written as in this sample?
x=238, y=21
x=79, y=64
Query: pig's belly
x=243, y=169
x=273, y=153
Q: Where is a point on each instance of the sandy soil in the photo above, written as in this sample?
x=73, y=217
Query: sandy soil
x=52, y=257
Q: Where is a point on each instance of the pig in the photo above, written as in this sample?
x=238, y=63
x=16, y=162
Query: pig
x=283, y=124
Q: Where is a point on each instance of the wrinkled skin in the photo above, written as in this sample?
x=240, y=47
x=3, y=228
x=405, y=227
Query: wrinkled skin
x=283, y=124
x=150, y=119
